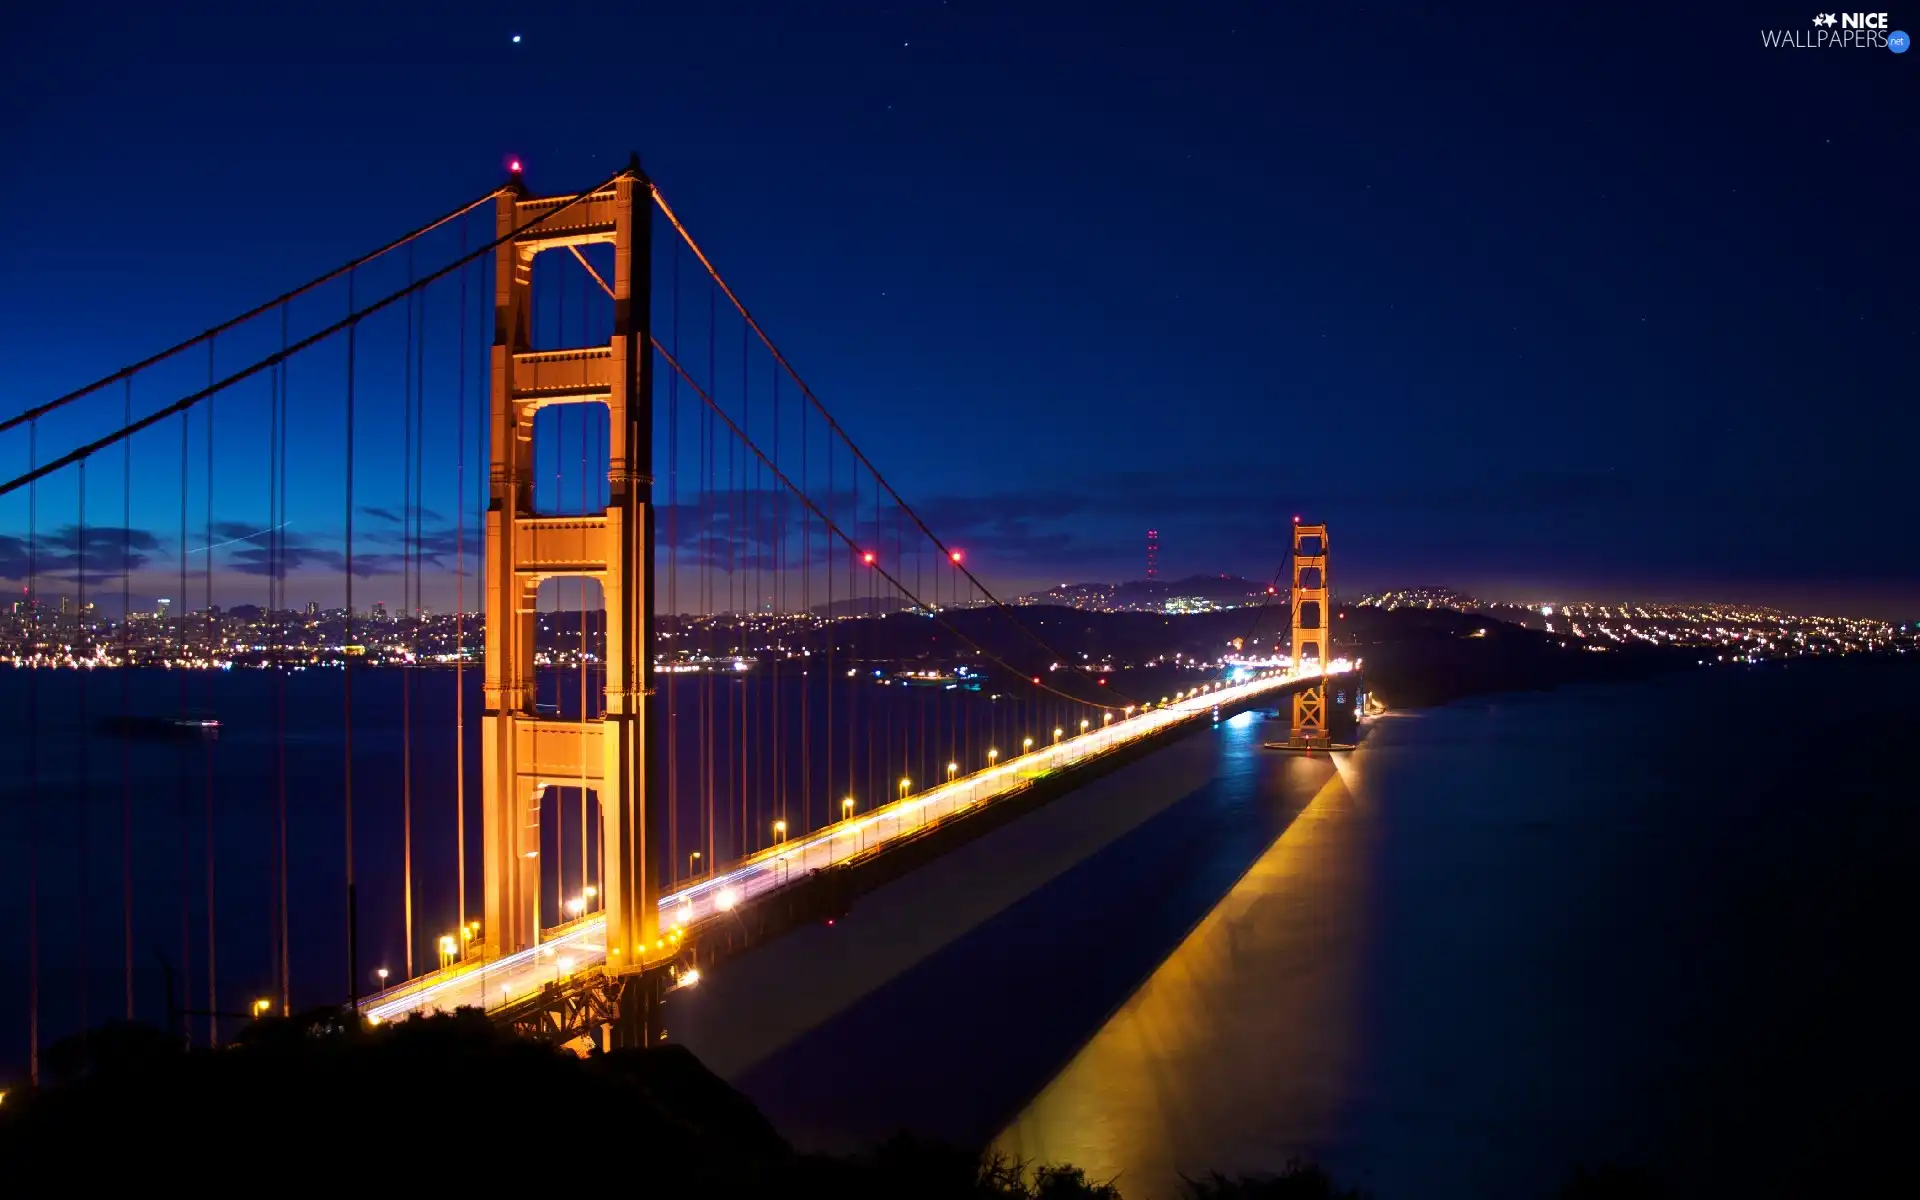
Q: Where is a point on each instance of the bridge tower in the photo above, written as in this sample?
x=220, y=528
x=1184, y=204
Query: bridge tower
x=1312, y=633
x=612, y=755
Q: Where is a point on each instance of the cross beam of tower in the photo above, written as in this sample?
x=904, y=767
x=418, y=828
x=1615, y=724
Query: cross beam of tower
x=613, y=755
x=1312, y=634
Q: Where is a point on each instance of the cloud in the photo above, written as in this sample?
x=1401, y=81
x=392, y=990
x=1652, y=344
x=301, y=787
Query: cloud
x=399, y=516
x=386, y=549
x=68, y=555
x=748, y=529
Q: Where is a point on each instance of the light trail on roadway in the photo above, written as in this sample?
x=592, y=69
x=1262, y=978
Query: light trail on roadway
x=581, y=944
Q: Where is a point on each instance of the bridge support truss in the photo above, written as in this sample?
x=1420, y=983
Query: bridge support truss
x=1312, y=634
x=612, y=1011
x=612, y=755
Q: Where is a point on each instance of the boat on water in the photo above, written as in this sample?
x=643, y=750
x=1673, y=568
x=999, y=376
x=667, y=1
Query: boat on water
x=190, y=725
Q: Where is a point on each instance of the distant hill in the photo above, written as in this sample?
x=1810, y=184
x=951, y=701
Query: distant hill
x=1139, y=594
x=876, y=606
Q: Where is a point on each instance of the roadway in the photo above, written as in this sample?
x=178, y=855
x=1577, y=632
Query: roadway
x=582, y=944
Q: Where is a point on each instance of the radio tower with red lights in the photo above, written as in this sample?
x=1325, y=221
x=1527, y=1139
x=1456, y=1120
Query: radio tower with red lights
x=1153, y=554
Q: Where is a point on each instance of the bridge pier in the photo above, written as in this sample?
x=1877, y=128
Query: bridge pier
x=640, y=1022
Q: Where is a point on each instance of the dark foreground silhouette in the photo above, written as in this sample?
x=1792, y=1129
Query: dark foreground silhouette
x=450, y=1102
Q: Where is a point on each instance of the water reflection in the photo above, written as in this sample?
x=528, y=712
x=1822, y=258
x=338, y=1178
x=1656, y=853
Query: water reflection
x=1240, y=1048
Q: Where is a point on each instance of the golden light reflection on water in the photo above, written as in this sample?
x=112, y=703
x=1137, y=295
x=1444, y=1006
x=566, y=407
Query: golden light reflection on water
x=1238, y=1052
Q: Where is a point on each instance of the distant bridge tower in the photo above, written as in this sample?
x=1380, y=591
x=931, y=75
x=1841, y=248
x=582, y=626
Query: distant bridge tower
x=1153, y=554
x=522, y=752
x=1312, y=634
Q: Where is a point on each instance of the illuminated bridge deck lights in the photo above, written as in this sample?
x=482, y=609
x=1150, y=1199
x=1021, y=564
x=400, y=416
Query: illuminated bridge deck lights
x=581, y=944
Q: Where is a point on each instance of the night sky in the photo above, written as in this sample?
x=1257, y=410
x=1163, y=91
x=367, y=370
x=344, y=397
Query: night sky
x=1537, y=305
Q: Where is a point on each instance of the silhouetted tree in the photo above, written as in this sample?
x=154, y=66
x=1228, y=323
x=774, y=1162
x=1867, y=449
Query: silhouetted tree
x=435, y=1101
x=1299, y=1181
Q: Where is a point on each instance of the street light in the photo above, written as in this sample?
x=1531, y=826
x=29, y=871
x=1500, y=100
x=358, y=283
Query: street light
x=846, y=809
x=1028, y=745
x=779, y=832
x=260, y=1008
x=991, y=755
x=1106, y=719
x=1056, y=736
x=905, y=783
x=692, y=859
x=382, y=973
x=951, y=768
x=1083, y=724
x=577, y=905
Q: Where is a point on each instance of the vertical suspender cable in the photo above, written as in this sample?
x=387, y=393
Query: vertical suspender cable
x=418, y=503
x=460, y=605
x=673, y=590
x=408, y=401
x=776, y=702
x=743, y=494
x=213, y=641
x=186, y=927
x=776, y=515
x=33, y=762
x=833, y=635
x=346, y=669
x=82, y=635
x=274, y=380
x=853, y=693
x=709, y=455
x=805, y=625
x=126, y=663
x=736, y=703
x=278, y=611
x=586, y=477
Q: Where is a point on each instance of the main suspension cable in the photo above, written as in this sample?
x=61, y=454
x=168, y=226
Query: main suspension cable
x=347, y=323
x=837, y=531
x=130, y=371
x=879, y=479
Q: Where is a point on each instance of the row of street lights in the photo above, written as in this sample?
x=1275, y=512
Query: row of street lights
x=847, y=805
x=452, y=950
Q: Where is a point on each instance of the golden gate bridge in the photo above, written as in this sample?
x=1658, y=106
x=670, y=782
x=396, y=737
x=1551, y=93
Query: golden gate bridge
x=695, y=757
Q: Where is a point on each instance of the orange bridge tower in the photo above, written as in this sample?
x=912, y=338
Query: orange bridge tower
x=612, y=754
x=1312, y=635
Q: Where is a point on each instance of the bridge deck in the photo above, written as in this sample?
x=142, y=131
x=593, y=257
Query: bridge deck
x=582, y=944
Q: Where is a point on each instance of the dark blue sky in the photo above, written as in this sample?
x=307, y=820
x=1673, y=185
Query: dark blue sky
x=1525, y=302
